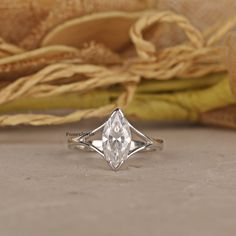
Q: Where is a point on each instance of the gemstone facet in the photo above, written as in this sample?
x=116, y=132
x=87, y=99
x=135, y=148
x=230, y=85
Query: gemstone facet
x=116, y=139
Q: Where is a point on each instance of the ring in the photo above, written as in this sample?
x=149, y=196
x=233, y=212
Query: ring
x=119, y=140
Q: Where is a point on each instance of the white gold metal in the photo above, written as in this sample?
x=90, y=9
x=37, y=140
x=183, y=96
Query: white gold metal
x=116, y=145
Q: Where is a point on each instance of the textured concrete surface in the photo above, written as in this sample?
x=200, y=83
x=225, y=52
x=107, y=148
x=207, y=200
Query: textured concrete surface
x=189, y=189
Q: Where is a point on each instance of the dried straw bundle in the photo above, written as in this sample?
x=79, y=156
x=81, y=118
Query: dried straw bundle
x=70, y=60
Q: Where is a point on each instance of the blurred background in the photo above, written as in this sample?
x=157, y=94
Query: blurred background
x=169, y=64
x=168, y=60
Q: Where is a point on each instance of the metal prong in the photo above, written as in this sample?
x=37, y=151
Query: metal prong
x=83, y=141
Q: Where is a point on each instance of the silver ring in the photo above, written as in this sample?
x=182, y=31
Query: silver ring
x=119, y=140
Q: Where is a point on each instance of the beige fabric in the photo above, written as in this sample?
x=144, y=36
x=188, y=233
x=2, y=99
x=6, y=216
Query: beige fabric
x=17, y=18
x=114, y=35
x=202, y=14
x=50, y=22
x=27, y=21
x=225, y=117
x=69, y=9
x=231, y=59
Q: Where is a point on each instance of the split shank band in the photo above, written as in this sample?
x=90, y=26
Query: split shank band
x=117, y=141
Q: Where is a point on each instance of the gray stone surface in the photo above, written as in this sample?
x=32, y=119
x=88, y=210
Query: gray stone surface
x=189, y=189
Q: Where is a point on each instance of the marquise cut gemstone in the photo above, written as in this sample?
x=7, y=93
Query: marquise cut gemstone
x=116, y=139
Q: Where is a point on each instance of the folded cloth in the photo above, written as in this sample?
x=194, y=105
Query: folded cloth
x=225, y=116
x=60, y=54
x=231, y=59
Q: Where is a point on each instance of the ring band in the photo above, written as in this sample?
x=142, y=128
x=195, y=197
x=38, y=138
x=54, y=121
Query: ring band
x=74, y=144
x=116, y=144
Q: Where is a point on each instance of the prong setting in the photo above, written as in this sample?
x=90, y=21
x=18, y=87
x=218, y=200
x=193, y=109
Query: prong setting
x=117, y=144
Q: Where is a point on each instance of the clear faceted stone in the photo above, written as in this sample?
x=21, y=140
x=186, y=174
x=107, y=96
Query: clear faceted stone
x=116, y=139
